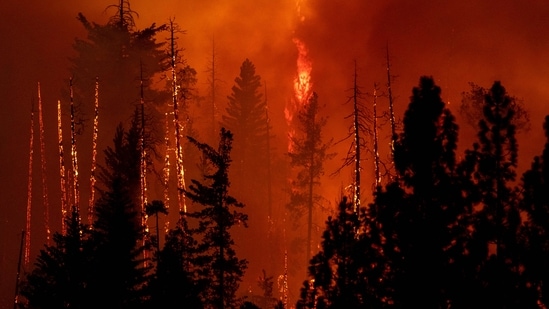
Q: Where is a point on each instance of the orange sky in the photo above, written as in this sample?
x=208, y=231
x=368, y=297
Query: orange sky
x=455, y=41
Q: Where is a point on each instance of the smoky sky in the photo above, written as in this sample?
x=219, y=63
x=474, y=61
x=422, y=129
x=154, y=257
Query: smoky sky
x=456, y=42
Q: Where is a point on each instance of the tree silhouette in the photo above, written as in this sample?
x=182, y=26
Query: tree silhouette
x=535, y=204
x=340, y=274
x=418, y=213
x=358, y=130
x=119, y=55
x=308, y=156
x=101, y=266
x=221, y=266
x=472, y=108
x=176, y=282
x=155, y=208
x=246, y=118
x=492, y=163
x=117, y=235
x=62, y=270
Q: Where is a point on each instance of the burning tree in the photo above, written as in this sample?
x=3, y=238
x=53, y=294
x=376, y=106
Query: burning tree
x=119, y=54
x=359, y=129
x=308, y=154
x=79, y=266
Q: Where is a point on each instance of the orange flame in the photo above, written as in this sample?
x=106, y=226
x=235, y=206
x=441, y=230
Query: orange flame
x=302, y=87
x=302, y=83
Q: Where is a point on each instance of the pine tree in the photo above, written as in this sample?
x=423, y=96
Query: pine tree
x=418, y=212
x=535, y=233
x=176, y=282
x=308, y=156
x=339, y=274
x=496, y=223
x=119, y=55
x=358, y=130
x=62, y=270
x=102, y=266
x=246, y=118
x=219, y=214
x=472, y=108
x=117, y=235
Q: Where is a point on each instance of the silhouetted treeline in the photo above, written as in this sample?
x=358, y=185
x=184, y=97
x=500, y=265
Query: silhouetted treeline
x=109, y=264
x=444, y=233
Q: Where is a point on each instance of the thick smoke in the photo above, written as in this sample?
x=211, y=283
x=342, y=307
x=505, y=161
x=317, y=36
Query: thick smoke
x=454, y=41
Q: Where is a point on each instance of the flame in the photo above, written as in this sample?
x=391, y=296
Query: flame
x=302, y=88
x=178, y=147
x=302, y=83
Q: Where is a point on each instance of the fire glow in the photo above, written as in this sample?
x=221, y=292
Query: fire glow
x=302, y=87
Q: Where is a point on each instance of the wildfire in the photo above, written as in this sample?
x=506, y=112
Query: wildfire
x=302, y=87
x=302, y=83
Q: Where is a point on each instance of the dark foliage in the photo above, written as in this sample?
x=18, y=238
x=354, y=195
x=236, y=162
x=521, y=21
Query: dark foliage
x=176, y=282
x=219, y=264
x=62, y=270
x=346, y=272
x=307, y=155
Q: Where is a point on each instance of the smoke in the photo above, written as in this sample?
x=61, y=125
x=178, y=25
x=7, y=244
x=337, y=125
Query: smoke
x=454, y=41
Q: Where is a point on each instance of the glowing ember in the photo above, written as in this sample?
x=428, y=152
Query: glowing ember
x=61, y=168
x=43, y=166
x=143, y=168
x=74, y=155
x=167, y=165
x=29, y=192
x=376, y=148
x=94, y=153
x=177, y=126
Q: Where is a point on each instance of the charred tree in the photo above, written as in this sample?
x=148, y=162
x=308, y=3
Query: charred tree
x=358, y=130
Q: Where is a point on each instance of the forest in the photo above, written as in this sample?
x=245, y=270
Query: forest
x=181, y=190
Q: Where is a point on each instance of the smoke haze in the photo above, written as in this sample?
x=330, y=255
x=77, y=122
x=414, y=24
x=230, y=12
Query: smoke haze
x=454, y=41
